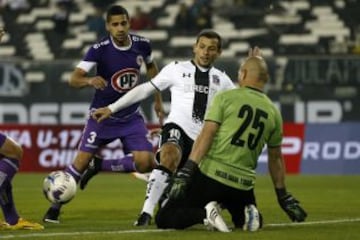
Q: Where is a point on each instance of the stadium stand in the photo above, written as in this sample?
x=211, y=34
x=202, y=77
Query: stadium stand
x=292, y=27
x=303, y=27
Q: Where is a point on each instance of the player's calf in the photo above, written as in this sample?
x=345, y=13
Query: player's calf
x=93, y=169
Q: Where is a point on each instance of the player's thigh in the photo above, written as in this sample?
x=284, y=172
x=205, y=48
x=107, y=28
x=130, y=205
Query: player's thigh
x=94, y=137
x=203, y=190
x=199, y=193
x=174, y=141
x=235, y=202
x=144, y=161
x=134, y=136
x=136, y=141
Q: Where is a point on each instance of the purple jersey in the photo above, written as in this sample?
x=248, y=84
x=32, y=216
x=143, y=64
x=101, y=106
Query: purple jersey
x=2, y=139
x=120, y=67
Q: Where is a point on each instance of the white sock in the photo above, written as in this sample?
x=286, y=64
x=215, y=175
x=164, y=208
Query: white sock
x=158, y=181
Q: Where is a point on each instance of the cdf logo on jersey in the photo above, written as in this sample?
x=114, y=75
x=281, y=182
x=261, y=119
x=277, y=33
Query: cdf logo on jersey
x=216, y=79
x=125, y=79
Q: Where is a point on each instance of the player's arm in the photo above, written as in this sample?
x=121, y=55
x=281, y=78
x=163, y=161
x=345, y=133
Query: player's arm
x=136, y=94
x=160, y=82
x=203, y=142
x=287, y=202
x=79, y=79
x=152, y=71
x=2, y=33
x=201, y=146
x=276, y=167
x=255, y=52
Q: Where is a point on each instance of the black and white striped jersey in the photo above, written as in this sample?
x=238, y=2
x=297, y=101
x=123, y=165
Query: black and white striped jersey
x=192, y=89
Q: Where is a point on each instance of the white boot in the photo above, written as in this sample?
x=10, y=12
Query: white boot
x=252, y=218
x=213, y=217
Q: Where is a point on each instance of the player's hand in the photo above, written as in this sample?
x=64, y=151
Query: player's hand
x=291, y=206
x=2, y=33
x=101, y=113
x=255, y=52
x=97, y=82
x=155, y=132
x=182, y=180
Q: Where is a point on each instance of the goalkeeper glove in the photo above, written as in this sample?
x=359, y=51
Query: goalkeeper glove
x=183, y=179
x=290, y=205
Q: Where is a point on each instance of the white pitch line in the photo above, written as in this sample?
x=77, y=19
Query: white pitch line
x=313, y=222
x=57, y=234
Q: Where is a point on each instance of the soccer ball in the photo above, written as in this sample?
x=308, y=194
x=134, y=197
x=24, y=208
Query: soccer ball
x=59, y=187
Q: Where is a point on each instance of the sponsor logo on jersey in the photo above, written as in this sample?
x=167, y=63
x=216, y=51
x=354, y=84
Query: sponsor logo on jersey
x=103, y=43
x=196, y=88
x=125, y=79
x=201, y=89
x=186, y=75
x=233, y=178
x=139, y=39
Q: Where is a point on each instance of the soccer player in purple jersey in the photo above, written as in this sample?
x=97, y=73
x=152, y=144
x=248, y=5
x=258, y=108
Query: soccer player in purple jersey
x=117, y=58
x=11, y=154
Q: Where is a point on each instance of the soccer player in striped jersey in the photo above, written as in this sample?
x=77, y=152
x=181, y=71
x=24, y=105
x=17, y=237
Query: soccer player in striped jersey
x=117, y=59
x=238, y=124
x=192, y=84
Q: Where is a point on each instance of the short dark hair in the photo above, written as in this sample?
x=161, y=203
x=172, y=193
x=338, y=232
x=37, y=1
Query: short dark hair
x=116, y=10
x=208, y=33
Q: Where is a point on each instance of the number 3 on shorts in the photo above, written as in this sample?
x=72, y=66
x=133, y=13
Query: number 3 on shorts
x=92, y=137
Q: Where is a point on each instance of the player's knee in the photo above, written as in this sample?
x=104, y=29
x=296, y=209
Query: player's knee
x=15, y=154
x=164, y=219
x=14, y=151
x=159, y=220
x=144, y=162
x=19, y=153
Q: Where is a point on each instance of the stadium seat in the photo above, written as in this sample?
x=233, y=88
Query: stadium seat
x=44, y=25
x=236, y=47
x=35, y=77
x=303, y=22
x=38, y=47
x=7, y=50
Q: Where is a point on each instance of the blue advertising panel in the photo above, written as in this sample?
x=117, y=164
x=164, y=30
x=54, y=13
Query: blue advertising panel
x=331, y=149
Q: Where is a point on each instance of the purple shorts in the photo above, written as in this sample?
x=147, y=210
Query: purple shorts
x=132, y=132
x=2, y=139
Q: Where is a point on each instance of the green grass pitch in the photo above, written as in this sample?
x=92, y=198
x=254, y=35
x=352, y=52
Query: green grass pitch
x=111, y=203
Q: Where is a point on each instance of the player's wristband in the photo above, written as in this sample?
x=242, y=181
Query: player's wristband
x=191, y=165
x=112, y=108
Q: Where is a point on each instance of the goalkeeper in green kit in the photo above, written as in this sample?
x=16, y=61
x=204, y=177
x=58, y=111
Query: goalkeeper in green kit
x=220, y=172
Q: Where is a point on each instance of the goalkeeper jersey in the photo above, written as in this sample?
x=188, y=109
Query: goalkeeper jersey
x=248, y=120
